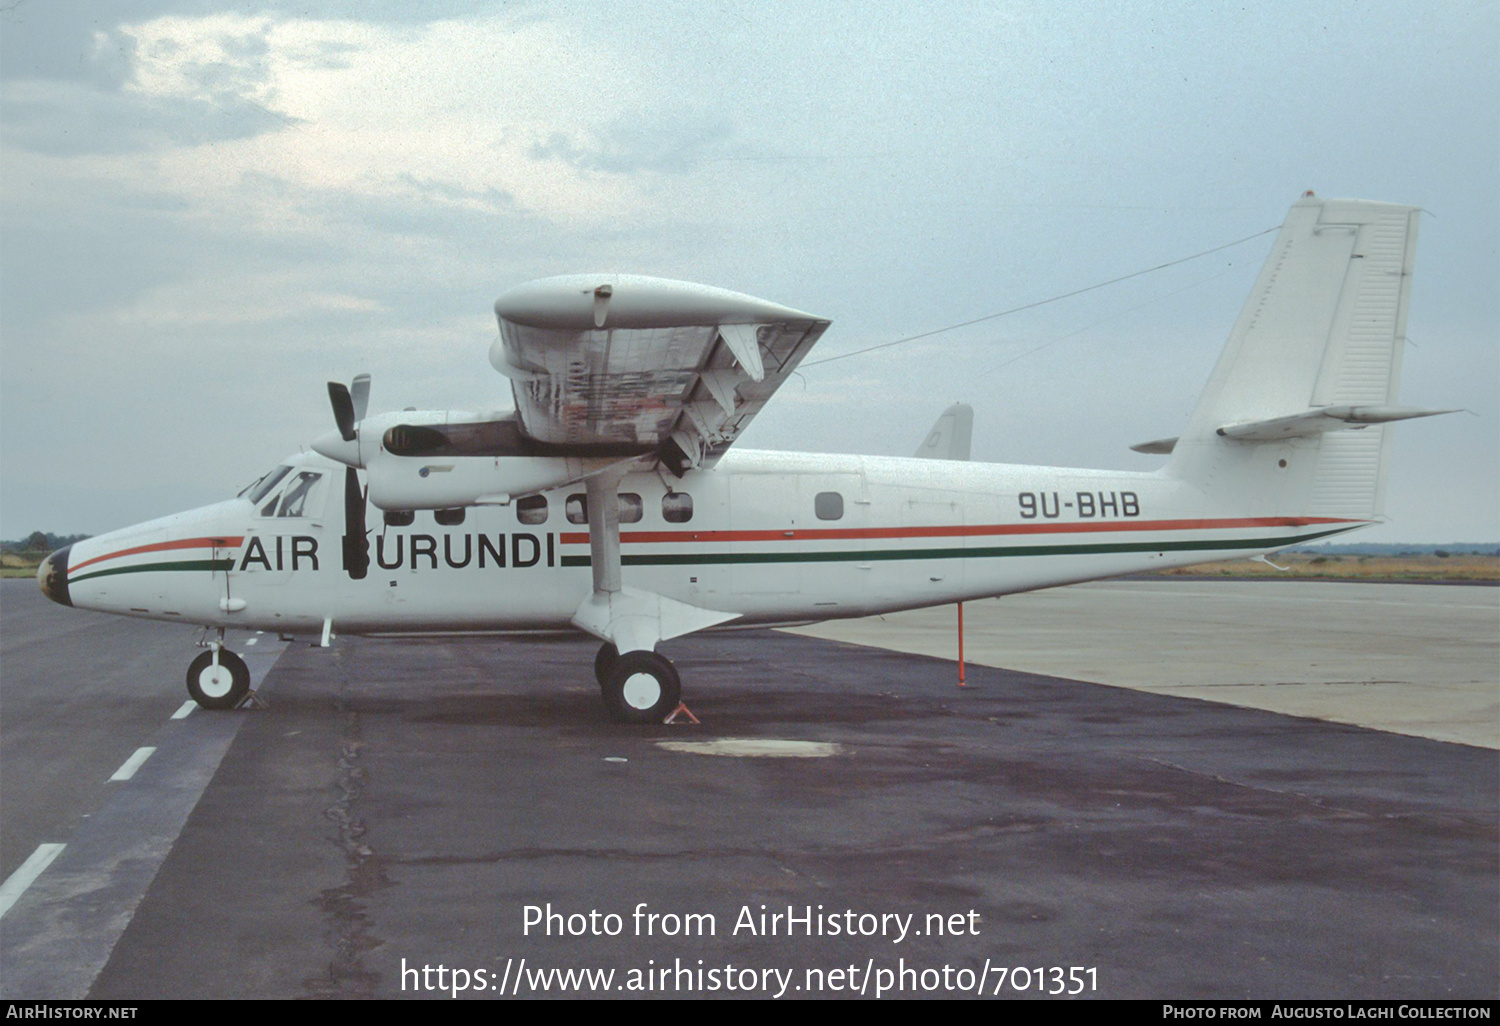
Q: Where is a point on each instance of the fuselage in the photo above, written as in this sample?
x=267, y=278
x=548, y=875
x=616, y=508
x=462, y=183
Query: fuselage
x=772, y=537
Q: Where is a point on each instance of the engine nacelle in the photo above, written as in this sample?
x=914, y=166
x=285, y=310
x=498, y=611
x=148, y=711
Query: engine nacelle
x=443, y=482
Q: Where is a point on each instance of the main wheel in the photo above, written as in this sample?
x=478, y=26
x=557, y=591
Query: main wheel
x=643, y=687
x=218, y=687
x=605, y=661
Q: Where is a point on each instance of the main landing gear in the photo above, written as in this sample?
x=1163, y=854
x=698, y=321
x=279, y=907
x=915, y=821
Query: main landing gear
x=218, y=679
x=638, y=687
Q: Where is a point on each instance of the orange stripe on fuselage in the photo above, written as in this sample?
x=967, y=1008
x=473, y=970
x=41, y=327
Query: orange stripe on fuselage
x=959, y=531
x=180, y=543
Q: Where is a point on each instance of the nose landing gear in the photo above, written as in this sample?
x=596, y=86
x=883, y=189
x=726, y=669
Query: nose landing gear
x=218, y=679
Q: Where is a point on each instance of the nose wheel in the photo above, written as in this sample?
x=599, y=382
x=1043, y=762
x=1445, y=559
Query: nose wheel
x=218, y=683
x=641, y=687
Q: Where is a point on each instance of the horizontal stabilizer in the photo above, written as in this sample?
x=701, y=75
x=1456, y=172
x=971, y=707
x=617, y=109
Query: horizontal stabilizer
x=1327, y=418
x=1156, y=447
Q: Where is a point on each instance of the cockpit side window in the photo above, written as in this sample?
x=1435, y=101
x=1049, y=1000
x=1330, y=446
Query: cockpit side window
x=294, y=499
x=261, y=486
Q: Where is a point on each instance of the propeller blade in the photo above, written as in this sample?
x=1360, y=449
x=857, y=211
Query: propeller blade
x=343, y=409
x=356, y=540
x=359, y=388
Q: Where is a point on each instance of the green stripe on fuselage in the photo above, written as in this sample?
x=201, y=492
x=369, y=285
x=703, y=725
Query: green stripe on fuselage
x=209, y=565
x=679, y=559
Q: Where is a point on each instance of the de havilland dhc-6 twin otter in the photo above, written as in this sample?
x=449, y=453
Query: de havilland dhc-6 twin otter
x=610, y=500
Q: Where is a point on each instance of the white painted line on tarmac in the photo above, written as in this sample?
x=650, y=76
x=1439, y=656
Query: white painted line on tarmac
x=251, y=641
x=58, y=937
x=184, y=709
x=16, y=884
x=132, y=764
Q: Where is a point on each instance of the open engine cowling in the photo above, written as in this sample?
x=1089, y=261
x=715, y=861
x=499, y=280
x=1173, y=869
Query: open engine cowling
x=440, y=459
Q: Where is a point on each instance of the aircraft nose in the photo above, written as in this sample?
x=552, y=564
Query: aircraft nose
x=52, y=575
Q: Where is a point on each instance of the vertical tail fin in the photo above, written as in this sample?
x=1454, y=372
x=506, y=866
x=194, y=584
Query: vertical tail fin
x=951, y=436
x=1317, y=351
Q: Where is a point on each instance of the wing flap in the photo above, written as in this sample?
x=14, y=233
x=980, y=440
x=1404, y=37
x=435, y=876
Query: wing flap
x=625, y=359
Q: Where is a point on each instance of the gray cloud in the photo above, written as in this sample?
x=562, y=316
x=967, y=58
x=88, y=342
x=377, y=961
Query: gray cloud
x=55, y=39
x=69, y=119
x=655, y=141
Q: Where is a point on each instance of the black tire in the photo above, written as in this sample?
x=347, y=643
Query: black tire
x=643, y=687
x=605, y=661
x=219, y=693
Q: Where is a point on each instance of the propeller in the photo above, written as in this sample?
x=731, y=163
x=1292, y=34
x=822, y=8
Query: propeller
x=359, y=392
x=356, y=534
x=350, y=402
x=343, y=409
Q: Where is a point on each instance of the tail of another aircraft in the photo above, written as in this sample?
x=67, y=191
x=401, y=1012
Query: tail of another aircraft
x=1291, y=421
x=951, y=437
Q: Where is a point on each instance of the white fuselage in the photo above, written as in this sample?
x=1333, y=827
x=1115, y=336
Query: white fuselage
x=772, y=537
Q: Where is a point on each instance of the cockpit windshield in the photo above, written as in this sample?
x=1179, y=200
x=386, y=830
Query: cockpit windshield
x=294, y=501
x=261, y=486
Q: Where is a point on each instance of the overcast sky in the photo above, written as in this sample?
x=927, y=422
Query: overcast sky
x=208, y=210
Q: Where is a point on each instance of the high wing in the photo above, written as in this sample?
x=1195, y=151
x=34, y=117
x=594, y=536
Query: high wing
x=612, y=363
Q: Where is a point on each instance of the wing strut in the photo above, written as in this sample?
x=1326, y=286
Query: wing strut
x=630, y=619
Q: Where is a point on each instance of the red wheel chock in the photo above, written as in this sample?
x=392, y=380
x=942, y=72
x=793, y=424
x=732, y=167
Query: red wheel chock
x=685, y=711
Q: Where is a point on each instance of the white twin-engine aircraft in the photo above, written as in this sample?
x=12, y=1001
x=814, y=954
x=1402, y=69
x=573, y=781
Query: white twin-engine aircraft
x=609, y=502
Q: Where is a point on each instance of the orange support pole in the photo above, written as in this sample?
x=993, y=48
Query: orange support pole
x=961, y=644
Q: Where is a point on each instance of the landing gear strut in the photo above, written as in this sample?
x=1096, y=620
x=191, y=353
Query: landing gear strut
x=642, y=687
x=218, y=683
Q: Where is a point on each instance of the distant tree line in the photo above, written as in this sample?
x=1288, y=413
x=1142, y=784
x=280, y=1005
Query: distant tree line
x=39, y=543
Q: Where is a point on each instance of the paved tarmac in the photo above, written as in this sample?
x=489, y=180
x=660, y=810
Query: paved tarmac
x=79, y=692
x=408, y=801
x=1419, y=659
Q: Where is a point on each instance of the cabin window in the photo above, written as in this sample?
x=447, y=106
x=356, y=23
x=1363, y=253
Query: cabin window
x=449, y=517
x=576, y=509
x=628, y=503
x=532, y=509
x=828, y=506
x=295, y=499
x=398, y=517
x=677, y=507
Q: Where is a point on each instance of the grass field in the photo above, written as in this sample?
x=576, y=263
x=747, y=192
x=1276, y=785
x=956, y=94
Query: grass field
x=1305, y=566
x=12, y=565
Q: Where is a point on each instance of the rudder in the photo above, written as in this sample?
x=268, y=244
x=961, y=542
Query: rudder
x=1291, y=419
